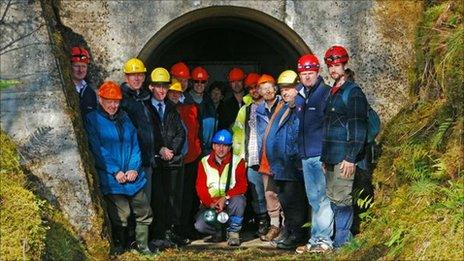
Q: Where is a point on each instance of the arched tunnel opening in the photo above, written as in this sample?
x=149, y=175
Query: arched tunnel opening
x=219, y=38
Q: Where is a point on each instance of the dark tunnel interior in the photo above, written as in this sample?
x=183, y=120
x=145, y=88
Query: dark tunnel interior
x=220, y=43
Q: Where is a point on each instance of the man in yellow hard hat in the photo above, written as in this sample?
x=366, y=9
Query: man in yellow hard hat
x=169, y=138
x=134, y=96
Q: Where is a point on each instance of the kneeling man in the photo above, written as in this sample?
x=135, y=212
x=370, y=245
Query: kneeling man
x=221, y=185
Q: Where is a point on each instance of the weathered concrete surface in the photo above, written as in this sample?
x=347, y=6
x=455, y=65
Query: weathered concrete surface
x=120, y=29
x=36, y=115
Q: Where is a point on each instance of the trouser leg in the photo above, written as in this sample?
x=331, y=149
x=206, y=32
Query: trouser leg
x=339, y=191
x=141, y=207
x=235, y=209
x=158, y=202
x=292, y=199
x=175, y=193
x=148, y=174
x=255, y=181
x=272, y=201
x=190, y=202
x=321, y=212
x=118, y=208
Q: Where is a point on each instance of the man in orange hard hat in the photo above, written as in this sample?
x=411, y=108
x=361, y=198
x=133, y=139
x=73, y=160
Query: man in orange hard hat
x=80, y=59
x=114, y=144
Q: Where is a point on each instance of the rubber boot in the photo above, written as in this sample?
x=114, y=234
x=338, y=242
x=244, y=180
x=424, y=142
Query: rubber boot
x=141, y=237
x=119, y=234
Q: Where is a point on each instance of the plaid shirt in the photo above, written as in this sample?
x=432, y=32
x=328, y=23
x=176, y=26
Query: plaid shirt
x=345, y=126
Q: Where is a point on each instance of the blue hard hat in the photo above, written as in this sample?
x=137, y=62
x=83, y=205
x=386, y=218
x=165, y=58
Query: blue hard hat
x=222, y=137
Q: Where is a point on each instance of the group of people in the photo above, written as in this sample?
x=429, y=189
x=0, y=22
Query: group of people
x=175, y=159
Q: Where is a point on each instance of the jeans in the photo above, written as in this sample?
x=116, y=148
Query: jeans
x=343, y=221
x=257, y=190
x=321, y=212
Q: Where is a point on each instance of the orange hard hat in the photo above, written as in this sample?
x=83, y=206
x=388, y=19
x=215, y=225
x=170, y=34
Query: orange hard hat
x=251, y=79
x=79, y=54
x=236, y=74
x=110, y=90
x=180, y=70
x=199, y=74
x=266, y=78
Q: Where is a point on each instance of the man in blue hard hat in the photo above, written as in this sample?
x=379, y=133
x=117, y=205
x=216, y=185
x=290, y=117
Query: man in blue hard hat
x=221, y=185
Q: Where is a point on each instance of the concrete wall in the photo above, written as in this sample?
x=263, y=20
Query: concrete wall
x=38, y=117
x=36, y=114
x=120, y=29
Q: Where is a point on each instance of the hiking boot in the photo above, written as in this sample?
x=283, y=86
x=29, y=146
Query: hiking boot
x=320, y=247
x=271, y=234
x=233, y=239
x=281, y=237
x=291, y=242
x=263, y=226
x=176, y=238
x=303, y=249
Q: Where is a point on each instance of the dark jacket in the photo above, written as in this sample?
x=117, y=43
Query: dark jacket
x=168, y=132
x=138, y=111
x=87, y=100
x=114, y=144
x=281, y=143
x=227, y=113
x=345, y=126
x=208, y=121
x=310, y=107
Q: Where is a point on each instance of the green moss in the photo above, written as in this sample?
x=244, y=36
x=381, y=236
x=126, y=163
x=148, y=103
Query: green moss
x=31, y=228
x=21, y=214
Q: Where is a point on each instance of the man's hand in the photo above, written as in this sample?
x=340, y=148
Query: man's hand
x=131, y=175
x=219, y=205
x=347, y=169
x=166, y=154
x=120, y=177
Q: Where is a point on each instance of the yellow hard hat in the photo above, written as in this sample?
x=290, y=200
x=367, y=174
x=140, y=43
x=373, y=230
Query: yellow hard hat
x=287, y=77
x=134, y=65
x=160, y=75
x=175, y=86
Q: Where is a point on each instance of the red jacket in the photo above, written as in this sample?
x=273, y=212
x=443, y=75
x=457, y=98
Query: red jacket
x=240, y=179
x=189, y=115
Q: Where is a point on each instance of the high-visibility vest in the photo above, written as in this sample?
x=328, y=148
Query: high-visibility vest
x=216, y=183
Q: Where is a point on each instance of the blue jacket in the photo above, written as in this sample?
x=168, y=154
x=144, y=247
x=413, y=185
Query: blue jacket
x=345, y=126
x=115, y=147
x=281, y=144
x=310, y=112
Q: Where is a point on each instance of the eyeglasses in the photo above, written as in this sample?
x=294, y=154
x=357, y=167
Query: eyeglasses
x=202, y=82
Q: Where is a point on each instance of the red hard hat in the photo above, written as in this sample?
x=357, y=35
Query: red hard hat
x=251, y=79
x=308, y=62
x=236, y=74
x=110, y=90
x=180, y=70
x=79, y=54
x=336, y=54
x=199, y=74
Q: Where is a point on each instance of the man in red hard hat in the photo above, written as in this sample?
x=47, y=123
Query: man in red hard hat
x=80, y=60
x=181, y=73
x=310, y=105
x=198, y=96
x=229, y=109
x=344, y=140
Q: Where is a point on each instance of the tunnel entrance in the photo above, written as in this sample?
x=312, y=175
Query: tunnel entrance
x=221, y=37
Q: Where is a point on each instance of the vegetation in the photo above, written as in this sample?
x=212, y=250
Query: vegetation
x=30, y=227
